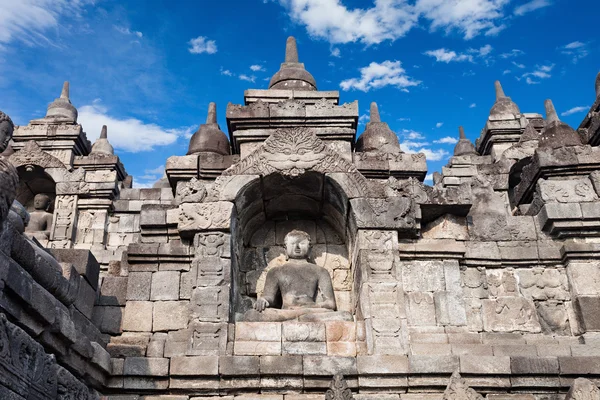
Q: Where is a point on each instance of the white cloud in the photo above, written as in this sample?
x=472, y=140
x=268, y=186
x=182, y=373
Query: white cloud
x=446, y=140
x=403, y=119
x=540, y=72
x=409, y=134
x=439, y=124
x=127, y=31
x=485, y=50
x=420, y=147
x=28, y=21
x=257, y=68
x=392, y=19
x=512, y=53
x=376, y=75
x=245, y=77
x=506, y=71
x=516, y=64
x=429, y=178
x=577, y=50
x=531, y=6
x=447, y=56
x=129, y=134
x=226, y=72
x=335, y=52
x=473, y=105
x=149, y=177
x=363, y=119
x=201, y=45
x=574, y=110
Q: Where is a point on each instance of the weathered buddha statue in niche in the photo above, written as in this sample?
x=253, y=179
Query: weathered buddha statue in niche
x=297, y=290
x=40, y=220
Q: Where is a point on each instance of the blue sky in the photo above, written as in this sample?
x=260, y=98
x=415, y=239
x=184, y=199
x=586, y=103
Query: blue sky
x=148, y=69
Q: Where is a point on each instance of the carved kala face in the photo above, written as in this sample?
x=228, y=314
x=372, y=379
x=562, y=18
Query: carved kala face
x=297, y=247
x=41, y=202
x=6, y=132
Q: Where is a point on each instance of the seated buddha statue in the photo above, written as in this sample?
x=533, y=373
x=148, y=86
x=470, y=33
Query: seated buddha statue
x=304, y=289
x=40, y=220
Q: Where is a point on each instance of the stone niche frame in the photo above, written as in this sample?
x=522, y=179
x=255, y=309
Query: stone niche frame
x=295, y=180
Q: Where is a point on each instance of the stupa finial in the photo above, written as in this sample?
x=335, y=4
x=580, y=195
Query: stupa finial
x=499, y=91
x=461, y=132
x=65, y=91
x=104, y=132
x=211, y=117
x=291, y=50
x=374, y=111
x=102, y=145
x=551, y=115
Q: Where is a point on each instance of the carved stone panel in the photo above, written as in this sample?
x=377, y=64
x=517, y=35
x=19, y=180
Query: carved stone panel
x=510, y=314
x=196, y=217
x=388, y=213
x=210, y=304
x=566, y=191
x=65, y=218
x=583, y=389
x=207, y=338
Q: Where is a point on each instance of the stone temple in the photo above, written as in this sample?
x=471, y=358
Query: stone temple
x=290, y=260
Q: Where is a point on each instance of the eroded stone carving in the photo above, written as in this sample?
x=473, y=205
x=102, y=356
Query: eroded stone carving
x=193, y=191
x=32, y=154
x=459, y=390
x=195, y=217
x=338, y=389
x=306, y=290
x=583, y=389
x=292, y=152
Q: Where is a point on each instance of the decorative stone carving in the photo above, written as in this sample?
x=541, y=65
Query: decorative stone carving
x=583, y=389
x=544, y=283
x=213, y=244
x=324, y=104
x=32, y=154
x=391, y=213
x=459, y=390
x=306, y=289
x=566, y=191
x=510, y=314
x=196, y=217
x=193, y=191
x=292, y=152
x=65, y=212
x=338, y=389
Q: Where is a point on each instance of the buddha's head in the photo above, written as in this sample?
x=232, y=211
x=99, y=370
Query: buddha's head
x=41, y=202
x=6, y=131
x=297, y=244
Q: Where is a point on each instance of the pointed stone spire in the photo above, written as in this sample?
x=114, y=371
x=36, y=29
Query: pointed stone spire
x=499, y=91
x=61, y=110
x=292, y=75
x=503, y=105
x=551, y=115
x=556, y=133
x=464, y=147
x=65, y=91
x=291, y=51
x=209, y=137
x=459, y=390
x=211, y=117
x=102, y=145
x=377, y=137
x=374, y=113
x=583, y=389
x=598, y=85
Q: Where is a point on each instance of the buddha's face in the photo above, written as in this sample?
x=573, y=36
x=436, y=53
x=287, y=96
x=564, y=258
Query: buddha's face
x=6, y=132
x=297, y=247
x=41, y=202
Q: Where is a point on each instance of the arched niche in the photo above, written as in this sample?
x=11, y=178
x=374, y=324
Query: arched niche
x=266, y=209
x=34, y=180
